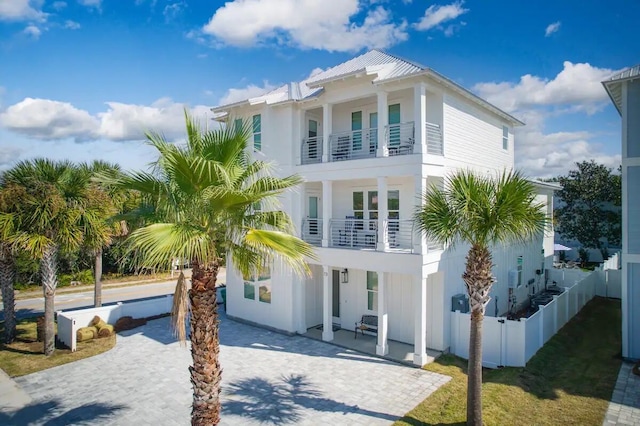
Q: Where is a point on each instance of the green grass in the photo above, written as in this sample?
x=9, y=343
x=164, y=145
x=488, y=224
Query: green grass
x=25, y=356
x=568, y=382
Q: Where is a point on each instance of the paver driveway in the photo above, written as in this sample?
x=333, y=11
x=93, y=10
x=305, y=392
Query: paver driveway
x=268, y=378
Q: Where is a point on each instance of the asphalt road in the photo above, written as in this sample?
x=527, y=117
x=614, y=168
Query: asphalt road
x=65, y=301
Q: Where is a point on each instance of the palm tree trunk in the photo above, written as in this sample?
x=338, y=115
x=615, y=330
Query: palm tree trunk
x=7, y=277
x=479, y=280
x=205, y=346
x=97, y=272
x=48, y=269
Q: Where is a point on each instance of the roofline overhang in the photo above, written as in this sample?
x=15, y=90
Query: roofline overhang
x=546, y=185
x=606, y=85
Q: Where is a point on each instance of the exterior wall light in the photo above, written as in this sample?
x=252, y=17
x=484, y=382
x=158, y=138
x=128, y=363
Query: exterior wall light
x=345, y=275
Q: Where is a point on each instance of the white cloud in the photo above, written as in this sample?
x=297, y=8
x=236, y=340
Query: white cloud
x=46, y=119
x=436, y=15
x=59, y=5
x=91, y=3
x=173, y=10
x=21, y=10
x=552, y=28
x=8, y=155
x=574, y=90
x=71, y=25
x=304, y=23
x=32, y=31
x=315, y=72
x=577, y=84
x=251, y=91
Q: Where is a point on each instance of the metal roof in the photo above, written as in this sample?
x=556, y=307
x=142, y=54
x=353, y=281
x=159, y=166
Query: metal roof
x=613, y=85
x=384, y=66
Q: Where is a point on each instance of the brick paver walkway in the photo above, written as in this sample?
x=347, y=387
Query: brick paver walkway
x=268, y=378
x=624, y=408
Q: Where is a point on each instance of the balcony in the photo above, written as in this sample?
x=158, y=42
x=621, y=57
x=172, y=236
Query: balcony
x=312, y=231
x=360, y=144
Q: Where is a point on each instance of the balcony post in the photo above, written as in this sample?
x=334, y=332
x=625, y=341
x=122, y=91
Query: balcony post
x=383, y=213
x=420, y=119
x=327, y=195
x=419, y=240
x=299, y=152
x=383, y=122
x=420, y=318
x=327, y=115
x=382, y=348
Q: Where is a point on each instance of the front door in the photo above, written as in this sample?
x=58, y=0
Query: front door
x=336, y=296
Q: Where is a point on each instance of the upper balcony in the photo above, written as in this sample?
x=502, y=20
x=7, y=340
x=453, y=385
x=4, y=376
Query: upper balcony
x=357, y=144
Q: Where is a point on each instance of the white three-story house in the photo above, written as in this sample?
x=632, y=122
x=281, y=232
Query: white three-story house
x=369, y=136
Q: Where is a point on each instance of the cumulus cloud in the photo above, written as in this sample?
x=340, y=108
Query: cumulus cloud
x=552, y=28
x=71, y=25
x=574, y=90
x=251, y=91
x=91, y=3
x=21, y=10
x=436, y=15
x=577, y=84
x=9, y=155
x=173, y=10
x=46, y=119
x=32, y=31
x=305, y=23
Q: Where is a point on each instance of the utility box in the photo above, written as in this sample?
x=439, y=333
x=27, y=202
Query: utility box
x=513, y=278
x=459, y=302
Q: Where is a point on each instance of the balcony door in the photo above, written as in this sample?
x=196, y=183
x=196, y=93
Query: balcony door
x=356, y=130
x=373, y=133
x=313, y=144
x=394, y=125
x=313, y=221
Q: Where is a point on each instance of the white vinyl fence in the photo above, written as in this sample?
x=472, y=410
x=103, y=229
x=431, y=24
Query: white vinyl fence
x=70, y=321
x=513, y=343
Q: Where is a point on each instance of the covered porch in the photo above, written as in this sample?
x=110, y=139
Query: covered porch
x=397, y=351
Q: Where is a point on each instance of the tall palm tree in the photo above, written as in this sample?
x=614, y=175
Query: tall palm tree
x=481, y=211
x=201, y=198
x=56, y=208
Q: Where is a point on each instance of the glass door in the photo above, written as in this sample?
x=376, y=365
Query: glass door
x=394, y=125
x=373, y=133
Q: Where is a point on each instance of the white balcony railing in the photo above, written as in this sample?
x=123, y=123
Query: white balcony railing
x=311, y=150
x=312, y=231
x=401, y=138
x=353, y=145
x=353, y=233
x=401, y=234
x=434, y=139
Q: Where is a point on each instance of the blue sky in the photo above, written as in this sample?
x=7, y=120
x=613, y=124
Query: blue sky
x=82, y=79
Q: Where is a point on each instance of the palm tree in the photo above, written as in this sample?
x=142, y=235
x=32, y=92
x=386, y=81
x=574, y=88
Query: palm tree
x=201, y=198
x=55, y=209
x=480, y=211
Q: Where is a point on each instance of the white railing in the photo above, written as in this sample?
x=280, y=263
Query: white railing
x=400, y=138
x=353, y=145
x=353, y=233
x=400, y=234
x=434, y=139
x=512, y=343
x=312, y=231
x=311, y=150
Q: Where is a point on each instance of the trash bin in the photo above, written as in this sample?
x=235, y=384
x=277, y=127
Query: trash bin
x=223, y=296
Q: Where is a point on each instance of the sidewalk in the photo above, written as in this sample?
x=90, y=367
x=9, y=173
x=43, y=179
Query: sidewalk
x=624, y=408
x=12, y=397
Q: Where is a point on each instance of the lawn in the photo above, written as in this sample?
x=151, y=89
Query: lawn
x=25, y=356
x=569, y=381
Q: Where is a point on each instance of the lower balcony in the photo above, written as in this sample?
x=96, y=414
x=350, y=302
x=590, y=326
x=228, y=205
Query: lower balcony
x=363, y=234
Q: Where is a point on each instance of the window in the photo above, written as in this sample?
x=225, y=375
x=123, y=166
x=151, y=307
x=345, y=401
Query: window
x=519, y=271
x=263, y=282
x=237, y=124
x=372, y=291
x=257, y=132
x=313, y=129
x=393, y=204
x=505, y=137
x=356, y=127
x=358, y=205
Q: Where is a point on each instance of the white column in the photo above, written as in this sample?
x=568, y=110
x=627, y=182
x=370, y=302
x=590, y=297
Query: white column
x=327, y=116
x=299, y=134
x=383, y=213
x=420, y=119
x=383, y=121
x=327, y=196
x=382, y=347
x=327, y=303
x=419, y=241
x=420, y=326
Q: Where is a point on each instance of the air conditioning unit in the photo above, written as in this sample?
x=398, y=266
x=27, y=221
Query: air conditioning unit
x=459, y=302
x=513, y=278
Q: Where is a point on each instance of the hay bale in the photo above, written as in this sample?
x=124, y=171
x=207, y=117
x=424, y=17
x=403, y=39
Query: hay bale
x=128, y=323
x=85, y=333
x=97, y=322
x=105, y=331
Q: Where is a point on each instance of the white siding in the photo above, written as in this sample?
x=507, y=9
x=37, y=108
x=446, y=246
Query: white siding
x=633, y=210
x=400, y=307
x=633, y=125
x=313, y=297
x=472, y=137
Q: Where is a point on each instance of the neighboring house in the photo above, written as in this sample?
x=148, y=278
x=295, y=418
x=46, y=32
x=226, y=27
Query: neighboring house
x=624, y=90
x=369, y=136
